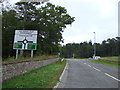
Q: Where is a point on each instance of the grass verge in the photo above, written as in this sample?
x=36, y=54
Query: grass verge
x=104, y=62
x=115, y=58
x=45, y=77
x=41, y=57
x=81, y=58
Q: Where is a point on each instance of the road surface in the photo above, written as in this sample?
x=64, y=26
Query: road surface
x=87, y=74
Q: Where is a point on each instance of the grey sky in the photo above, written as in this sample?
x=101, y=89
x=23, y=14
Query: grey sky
x=100, y=16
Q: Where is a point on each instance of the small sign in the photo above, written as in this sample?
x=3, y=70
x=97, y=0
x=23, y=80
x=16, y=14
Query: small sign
x=25, y=40
x=31, y=46
x=17, y=46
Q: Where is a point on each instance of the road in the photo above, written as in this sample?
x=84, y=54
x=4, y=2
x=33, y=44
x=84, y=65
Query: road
x=87, y=74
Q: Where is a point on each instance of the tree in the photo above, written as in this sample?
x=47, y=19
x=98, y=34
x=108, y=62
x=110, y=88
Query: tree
x=49, y=20
x=9, y=24
x=109, y=47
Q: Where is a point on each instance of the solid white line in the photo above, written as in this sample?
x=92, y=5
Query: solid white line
x=96, y=69
x=66, y=67
x=112, y=77
x=63, y=71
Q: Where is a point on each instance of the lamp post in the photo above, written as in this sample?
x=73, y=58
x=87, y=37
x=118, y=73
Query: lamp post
x=94, y=45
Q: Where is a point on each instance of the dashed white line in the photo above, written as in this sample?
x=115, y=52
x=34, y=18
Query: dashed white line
x=104, y=73
x=96, y=69
x=112, y=77
x=89, y=65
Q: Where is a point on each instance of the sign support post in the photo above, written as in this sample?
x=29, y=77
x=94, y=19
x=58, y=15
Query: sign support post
x=31, y=53
x=16, y=53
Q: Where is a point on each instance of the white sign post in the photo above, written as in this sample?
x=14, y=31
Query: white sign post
x=31, y=53
x=25, y=40
x=16, y=54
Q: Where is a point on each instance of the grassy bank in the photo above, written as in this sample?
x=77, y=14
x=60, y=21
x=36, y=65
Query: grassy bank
x=106, y=63
x=45, y=77
x=41, y=57
x=110, y=58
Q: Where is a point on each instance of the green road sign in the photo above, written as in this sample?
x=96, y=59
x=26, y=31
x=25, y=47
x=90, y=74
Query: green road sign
x=17, y=46
x=31, y=46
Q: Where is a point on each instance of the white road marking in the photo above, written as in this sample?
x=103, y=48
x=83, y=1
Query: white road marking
x=66, y=67
x=89, y=65
x=64, y=71
x=112, y=77
x=104, y=73
x=96, y=69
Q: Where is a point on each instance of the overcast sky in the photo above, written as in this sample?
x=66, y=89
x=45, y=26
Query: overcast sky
x=100, y=16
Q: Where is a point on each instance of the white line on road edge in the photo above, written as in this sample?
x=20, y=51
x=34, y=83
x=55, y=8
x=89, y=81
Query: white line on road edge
x=63, y=71
x=112, y=77
x=96, y=69
x=61, y=76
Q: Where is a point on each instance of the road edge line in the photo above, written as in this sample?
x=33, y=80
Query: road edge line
x=61, y=76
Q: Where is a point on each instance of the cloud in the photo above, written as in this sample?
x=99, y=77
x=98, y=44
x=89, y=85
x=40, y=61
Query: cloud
x=100, y=16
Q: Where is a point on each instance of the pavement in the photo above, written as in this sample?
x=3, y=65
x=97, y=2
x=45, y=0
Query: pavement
x=86, y=74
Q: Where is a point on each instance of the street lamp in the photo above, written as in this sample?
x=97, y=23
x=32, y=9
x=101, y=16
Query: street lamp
x=94, y=45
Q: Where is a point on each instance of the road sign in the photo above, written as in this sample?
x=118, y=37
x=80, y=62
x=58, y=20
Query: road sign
x=31, y=46
x=17, y=46
x=25, y=40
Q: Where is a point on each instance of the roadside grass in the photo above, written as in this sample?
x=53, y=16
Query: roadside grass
x=115, y=58
x=106, y=63
x=44, y=77
x=40, y=57
x=78, y=58
x=81, y=58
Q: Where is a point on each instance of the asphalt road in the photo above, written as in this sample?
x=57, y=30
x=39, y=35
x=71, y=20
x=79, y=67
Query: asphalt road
x=87, y=74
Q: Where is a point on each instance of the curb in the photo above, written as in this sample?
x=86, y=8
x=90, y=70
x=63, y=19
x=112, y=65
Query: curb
x=61, y=76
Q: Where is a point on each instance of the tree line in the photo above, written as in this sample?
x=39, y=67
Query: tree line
x=48, y=19
x=109, y=47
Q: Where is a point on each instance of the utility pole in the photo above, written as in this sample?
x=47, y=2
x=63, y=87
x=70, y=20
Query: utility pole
x=94, y=45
